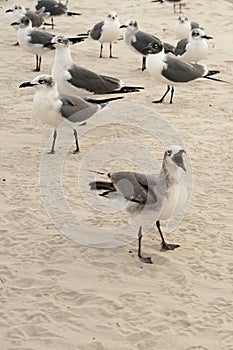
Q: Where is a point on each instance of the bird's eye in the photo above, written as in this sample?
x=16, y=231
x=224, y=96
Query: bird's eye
x=169, y=152
x=59, y=40
x=41, y=81
x=109, y=16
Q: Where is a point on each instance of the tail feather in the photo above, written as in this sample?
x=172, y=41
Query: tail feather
x=102, y=185
x=73, y=13
x=104, y=100
x=126, y=89
x=213, y=72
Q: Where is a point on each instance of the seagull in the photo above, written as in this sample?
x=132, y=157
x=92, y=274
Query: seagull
x=73, y=79
x=184, y=26
x=193, y=49
x=56, y=109
x=37, y=18
x=136, y=40
x=172, y=1
x=55, y=8
x=166, y=193
x=34, y=41
x=171, y=71
x=106, y=31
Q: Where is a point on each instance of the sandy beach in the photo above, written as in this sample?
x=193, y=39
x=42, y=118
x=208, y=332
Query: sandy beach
x=59, y=294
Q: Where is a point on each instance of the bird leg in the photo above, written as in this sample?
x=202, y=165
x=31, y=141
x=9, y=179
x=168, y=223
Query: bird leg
x=38, y=63
x=53, y=144
x=165, y=246
x=172, y=93
x=76, y=141
x=162, y=98
x=101, y=50
x=110, y=50
x=143, y=63
x=147, y=259
x=52, y=22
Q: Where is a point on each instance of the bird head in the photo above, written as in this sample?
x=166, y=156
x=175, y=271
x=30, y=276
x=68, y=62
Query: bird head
x=15, y=7
x=43, y=81
x=112, y=16
x=23, y=22
x=182, y=18
x=198, y=33
x=154, y=47
x=131, y=25
x=173, y=157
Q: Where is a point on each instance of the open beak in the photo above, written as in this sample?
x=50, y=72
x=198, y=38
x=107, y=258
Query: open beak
x=178, y=159
x=26, y=84
x=207, y=37
x=123, y=26
x=9, y=10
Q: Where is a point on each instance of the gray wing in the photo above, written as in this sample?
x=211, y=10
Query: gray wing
x=40, y=37
x=96, y=31
x=36, y=19
x=76, y=109
x=181, y=72
x=180, y=48
x=85, y=79
x=142, y=40
x=55, y=8
x=135, y=187
x=194, y=25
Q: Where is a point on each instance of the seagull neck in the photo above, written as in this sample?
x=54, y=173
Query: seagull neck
x=63, y=55
x=170, y=174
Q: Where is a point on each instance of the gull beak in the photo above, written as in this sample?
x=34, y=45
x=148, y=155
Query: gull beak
x=26, y=84
x=178, y=159
x=50, y=45
x=123, y=26
x=207, y=37
x=9, y=10
x=15, y=24
x=77, y=39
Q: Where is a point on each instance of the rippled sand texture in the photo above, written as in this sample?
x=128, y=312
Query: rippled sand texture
x=58, y=294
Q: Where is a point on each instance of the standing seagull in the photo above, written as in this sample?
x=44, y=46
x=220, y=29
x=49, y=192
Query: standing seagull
x=171, y=1
x=106, y=31
x=56, y=109
x=37, y=18
x=193, y=49
x=55, y=8
x=184, y=26
x=73, y=79
x=35, y=41
x=171, y=71
x=136, y=40
x=165, y=193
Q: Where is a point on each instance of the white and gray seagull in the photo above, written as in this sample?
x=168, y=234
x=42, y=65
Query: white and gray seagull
x=106, y=31
x=55, y=8
x=165, y=193
x=37, y=18
x=76, y=80
x=184, y=26
x=58, y=109
x=137, y=40
x=193, y=49
x=172, y=71
x=34, y=41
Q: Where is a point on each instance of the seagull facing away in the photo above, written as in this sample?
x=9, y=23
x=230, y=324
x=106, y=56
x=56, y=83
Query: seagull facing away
x=56, y=109
x=184, y=26
x=107, y=31
x=175, y=2
x=76, y=80
x=37, y=18
x=171, y=71
x=166, y=192
x=55, y=8
x=193, y=49
x=136, y=40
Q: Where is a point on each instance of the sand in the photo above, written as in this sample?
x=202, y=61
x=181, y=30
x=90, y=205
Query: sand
x=59, y=294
